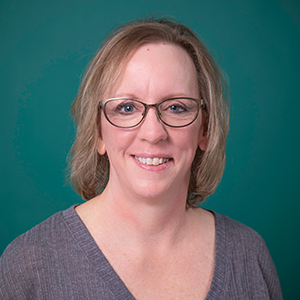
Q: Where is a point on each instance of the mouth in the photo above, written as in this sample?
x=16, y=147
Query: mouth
x=155, y=161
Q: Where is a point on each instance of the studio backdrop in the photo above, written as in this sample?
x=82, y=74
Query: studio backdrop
x=45, y=46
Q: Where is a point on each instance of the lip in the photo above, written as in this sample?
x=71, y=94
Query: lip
x=156, y=161
x=166, y=161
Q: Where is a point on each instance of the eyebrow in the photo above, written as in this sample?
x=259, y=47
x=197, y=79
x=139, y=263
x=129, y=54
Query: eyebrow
x=126, y=95
x=169, y=96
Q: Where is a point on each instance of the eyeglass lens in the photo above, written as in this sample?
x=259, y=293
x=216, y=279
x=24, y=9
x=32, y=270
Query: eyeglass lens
x=177, y=112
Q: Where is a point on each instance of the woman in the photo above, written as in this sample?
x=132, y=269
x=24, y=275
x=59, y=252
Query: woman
x=152, y=123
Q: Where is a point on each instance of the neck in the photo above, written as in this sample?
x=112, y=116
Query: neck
x=146, y=220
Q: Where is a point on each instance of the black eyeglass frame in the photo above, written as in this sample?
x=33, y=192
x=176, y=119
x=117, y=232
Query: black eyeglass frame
x=200, y=103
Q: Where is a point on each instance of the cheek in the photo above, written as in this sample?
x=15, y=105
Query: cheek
x=187, y=142
x=190, y=141
x=193, y=134
x=115, y=139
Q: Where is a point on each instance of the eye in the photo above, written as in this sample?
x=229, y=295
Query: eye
x=173, y=107
x=177, y=108
x=126, y=108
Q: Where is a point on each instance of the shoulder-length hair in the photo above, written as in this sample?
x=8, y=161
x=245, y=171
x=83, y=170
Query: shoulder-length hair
x=89, y=171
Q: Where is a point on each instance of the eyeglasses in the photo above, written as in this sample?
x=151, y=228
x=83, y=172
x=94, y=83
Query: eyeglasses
x=173, y=112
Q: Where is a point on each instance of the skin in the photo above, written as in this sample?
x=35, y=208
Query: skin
x=153, y=74
x=143, y=208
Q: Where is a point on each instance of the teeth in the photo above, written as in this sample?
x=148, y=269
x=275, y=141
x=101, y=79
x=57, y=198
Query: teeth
x=156, y=161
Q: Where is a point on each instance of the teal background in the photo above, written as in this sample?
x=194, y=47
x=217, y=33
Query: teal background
x=45, y=46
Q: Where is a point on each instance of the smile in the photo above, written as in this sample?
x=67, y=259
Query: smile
x=152, y=161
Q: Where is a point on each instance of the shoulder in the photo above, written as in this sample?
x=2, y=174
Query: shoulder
x=43, y=237
x=246, y=260
x=242, y=243
x=25, y=257
x=43, y=234
x=238, y=235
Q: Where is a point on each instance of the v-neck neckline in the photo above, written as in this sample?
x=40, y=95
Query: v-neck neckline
x=114, y=283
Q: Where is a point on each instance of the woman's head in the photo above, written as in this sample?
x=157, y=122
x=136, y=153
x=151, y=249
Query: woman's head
x=89, y=169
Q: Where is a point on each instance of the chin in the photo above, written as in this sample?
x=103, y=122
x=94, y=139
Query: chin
x=157, y=191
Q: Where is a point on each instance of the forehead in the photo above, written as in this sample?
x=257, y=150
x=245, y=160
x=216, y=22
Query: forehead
x=160, y=67
x=154, y=52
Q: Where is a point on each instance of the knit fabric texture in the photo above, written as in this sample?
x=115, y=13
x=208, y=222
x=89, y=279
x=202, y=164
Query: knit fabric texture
x=59, y=259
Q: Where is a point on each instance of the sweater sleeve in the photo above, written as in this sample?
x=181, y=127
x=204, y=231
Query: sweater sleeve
x=58, y=259
x=251, y=269
x=269, y=272
x=17, y=280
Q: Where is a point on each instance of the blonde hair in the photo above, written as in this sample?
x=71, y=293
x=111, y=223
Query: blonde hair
x=89, y=171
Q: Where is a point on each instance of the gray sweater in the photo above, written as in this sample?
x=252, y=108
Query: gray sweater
x=58, y=259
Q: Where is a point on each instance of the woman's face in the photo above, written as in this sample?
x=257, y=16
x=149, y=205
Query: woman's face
x=154, y=72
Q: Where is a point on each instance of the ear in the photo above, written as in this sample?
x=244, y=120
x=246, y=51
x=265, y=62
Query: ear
x=101, y=146
x=203, y=138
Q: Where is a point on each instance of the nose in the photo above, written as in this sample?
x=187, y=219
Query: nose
x=152, y=129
